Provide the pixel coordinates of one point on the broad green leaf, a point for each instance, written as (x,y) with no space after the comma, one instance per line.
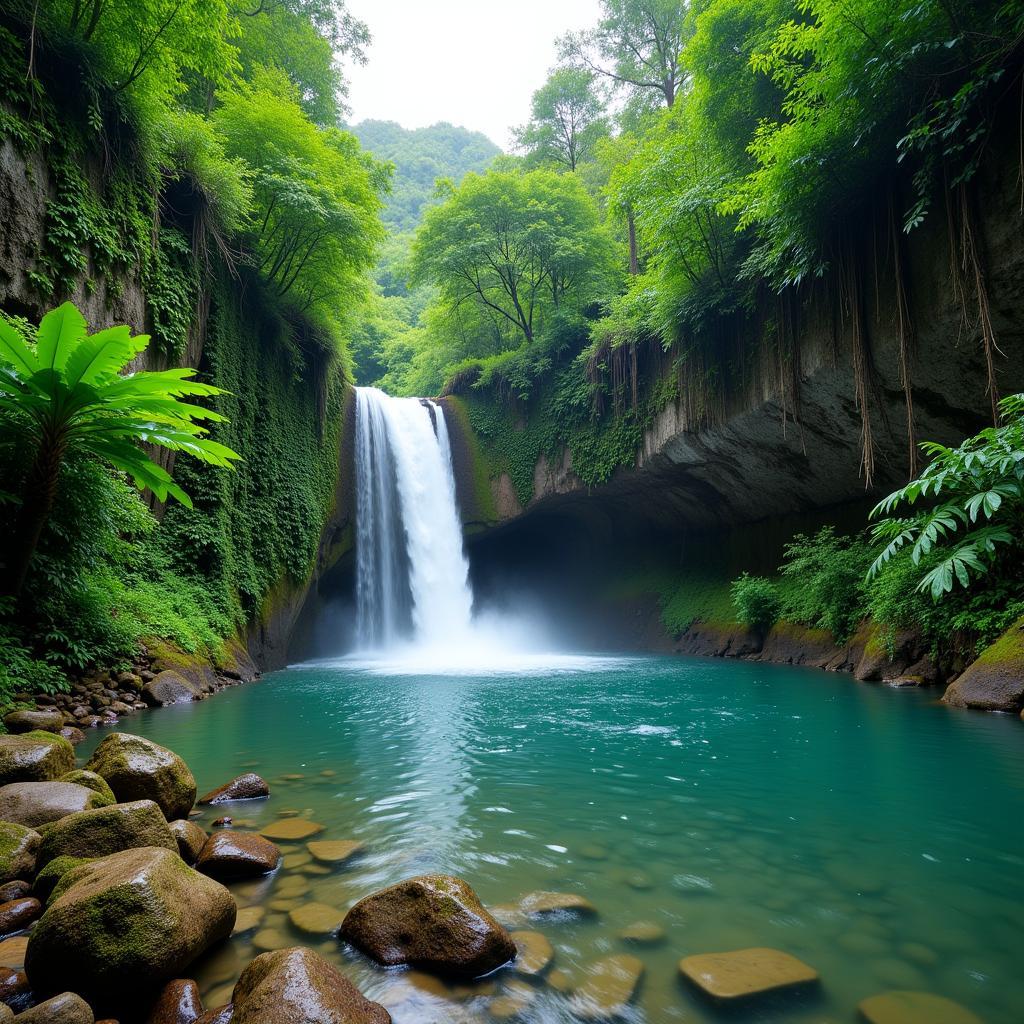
(61,332)
(15,352)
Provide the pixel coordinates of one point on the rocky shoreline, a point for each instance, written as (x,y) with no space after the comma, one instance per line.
(112,894)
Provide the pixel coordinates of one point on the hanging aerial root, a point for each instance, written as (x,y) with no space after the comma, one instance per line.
(906,337)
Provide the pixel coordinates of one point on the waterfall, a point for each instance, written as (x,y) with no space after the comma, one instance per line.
(412,574)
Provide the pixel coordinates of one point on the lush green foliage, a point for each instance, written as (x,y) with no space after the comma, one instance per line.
(567,119)
(975,507)
(757,601)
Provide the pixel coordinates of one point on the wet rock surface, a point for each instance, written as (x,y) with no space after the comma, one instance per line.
(246,787)
(107,830)
(34,757)
(19,851)
(16,915)
(66,1008)
(232,855)
(177,1003)
(138,769)
(434,922)
(37,803)
(27,721)
(298,986)
(190,837)
(914,1008)
(118,928)
(608,988)
(746,973)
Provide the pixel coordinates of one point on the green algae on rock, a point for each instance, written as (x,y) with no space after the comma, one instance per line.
(34,757)
(434,922)
(107,830)
(19,850)
(166,916)
(82,777)
(139,769)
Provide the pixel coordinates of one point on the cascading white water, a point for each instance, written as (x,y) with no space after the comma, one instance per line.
(411,567)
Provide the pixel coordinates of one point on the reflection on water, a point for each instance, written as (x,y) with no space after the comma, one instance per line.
(872,833)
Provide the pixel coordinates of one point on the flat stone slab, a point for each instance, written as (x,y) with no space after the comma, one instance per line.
(334,851)
(317,919)
(746,972)
(540,904)
(609,987)
(12,952)
(642,933)
(248,918)
(533,953)
(914,1008)
(291,829)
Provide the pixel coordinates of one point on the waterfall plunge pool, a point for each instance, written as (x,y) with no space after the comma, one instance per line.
(870,832)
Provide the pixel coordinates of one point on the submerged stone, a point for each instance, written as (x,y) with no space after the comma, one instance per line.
(746,973)
(334,851)
(317,919)
(914,1008)
(609,987)
(542,904)
(533,953)
(434,922)
(248,918)
(514,1001)
(290,829)
(643,933)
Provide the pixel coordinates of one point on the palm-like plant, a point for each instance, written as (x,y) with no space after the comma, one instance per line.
(69,393)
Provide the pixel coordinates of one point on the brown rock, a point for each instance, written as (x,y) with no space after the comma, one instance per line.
(609,988)
(139,769)
(17,915)
(177,1003)
(106,830)
(298,986)
(220,1015)
(434,922)
(334,851)
(15,991)
(67,1008)
(246,787)
(291,829)
(27,721)
(37,803)
(19,851)
(316,919)
(231,855)
(14,890)
(545,904)
(34,757)
(746,972)
(191,839)
(168,916)
(995,681)
(914,1008)
(533,953)
(12,952)
(170,688)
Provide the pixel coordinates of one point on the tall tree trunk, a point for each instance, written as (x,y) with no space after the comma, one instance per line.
(40,493)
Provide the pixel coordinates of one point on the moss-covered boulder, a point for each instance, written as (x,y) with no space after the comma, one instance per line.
(19,851)
(191,839)
(37,803)
(139,769)
(995,681)
(81,777)
(50,720)
(298,986)
(106,830)
(48,877)
(194,669)
(120,927)
(434,922)
(34,757)
(169,687)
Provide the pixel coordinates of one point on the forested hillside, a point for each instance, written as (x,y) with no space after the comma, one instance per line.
(179,167)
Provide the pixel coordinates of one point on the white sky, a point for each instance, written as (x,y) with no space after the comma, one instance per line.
(475,63)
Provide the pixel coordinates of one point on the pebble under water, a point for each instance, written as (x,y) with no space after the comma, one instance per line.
(870,832)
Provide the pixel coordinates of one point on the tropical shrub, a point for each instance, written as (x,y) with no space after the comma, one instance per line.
(757,601)
(67,394)
(974,514)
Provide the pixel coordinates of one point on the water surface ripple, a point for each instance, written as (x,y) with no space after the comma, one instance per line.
(870,832)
